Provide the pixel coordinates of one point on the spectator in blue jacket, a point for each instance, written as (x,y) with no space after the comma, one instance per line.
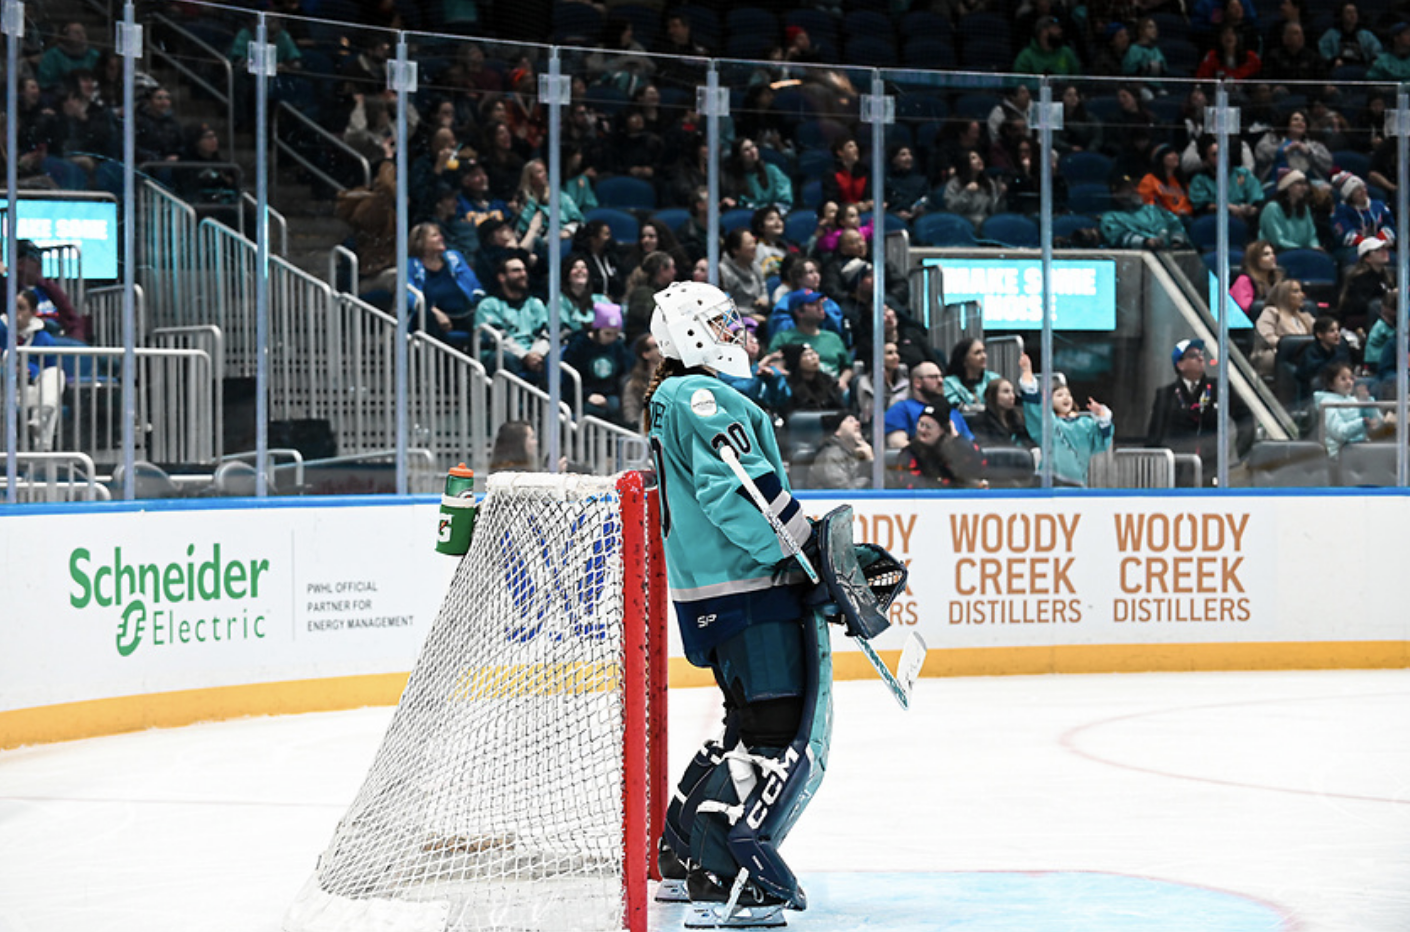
(445,278)
(41,378)
(1359,217)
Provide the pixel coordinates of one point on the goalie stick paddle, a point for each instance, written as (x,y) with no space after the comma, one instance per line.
(900,683)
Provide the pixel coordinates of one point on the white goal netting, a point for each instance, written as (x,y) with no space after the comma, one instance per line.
(496,799)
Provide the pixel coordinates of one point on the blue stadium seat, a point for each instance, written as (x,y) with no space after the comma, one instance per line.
(626,193)
(576,21)
(990,55)
(870,51)
(1182,57)
(874,23)
(1067,224)
(745,45)
(1172,27)
(811,193)
(944,229)
(1312,267)
(1090,199)
(671,217)
(625,227)
(799,225)
(926,52)
(893,222)
(1085,167)
(1236,259)
(814,163)
(1359,164)
(754,21)
(733,219)
(976,106)
(607,100)
(986,27)
(794,104)
(1013,230)
(1204,232)
(928,24)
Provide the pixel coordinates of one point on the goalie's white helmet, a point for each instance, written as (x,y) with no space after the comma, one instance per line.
(698,324)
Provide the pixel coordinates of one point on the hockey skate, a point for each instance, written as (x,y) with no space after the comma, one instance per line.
(741,904)
(673,874)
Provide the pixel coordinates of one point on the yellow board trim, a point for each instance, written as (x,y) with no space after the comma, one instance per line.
(1113,658)
(73,720)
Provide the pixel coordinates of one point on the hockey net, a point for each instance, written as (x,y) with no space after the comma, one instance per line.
(520,782)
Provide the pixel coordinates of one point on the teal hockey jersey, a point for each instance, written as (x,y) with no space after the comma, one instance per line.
(724,564)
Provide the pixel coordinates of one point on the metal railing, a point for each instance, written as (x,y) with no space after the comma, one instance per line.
(167,264)
(609,448)
(175,404)
(513,399)
(55,477)
(329,143)
(209,340)
(448,403)
(104,309)
(63,265)
(279,224)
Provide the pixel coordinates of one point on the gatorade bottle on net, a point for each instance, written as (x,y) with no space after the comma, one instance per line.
(457,517)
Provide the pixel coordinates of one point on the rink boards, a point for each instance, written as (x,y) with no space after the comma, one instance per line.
(129,616)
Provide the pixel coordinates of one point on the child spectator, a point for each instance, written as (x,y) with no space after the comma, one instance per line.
(1076,439)
(1340,425)
(602,361)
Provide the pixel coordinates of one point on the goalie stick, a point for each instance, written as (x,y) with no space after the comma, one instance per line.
(900,683)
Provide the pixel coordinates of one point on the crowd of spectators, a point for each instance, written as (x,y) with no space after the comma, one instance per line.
(1310,171)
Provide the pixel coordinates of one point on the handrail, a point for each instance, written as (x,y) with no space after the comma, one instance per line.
(279,220)
(147,168)
(347,254)
(296,461)
(330,139)
(228,98)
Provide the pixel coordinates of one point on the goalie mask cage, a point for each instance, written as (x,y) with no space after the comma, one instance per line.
(521,782)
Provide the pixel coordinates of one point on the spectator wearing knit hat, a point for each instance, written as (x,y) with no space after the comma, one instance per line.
(844,459)
(1287,222)
(1359,216)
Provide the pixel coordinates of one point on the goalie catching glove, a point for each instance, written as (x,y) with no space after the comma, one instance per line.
(859,581)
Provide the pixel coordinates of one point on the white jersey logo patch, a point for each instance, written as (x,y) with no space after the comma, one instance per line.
(703,403)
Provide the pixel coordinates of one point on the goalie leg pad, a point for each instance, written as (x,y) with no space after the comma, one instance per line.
(788,780)
(777,680)
(859,581)
(676,836)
